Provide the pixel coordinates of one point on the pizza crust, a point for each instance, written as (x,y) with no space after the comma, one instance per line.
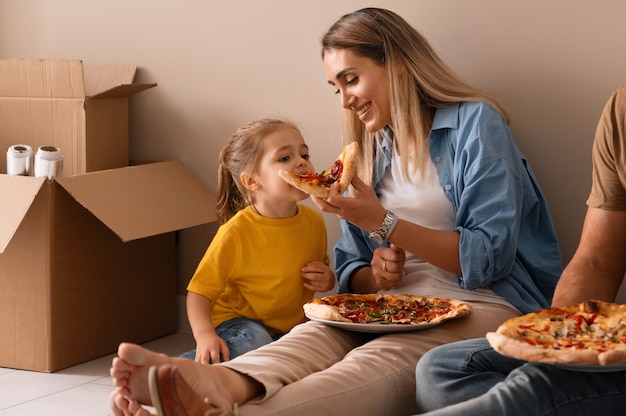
(320,311)
(611,357)
(348,157)
(523,351)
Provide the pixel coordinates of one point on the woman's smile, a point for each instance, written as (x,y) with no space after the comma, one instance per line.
(360,112)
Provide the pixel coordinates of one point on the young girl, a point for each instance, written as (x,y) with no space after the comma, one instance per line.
(269,255)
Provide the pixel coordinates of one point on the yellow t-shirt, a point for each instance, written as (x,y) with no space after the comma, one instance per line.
(252,267)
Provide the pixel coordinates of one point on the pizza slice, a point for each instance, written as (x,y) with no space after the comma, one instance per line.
(318,184)
(592,332)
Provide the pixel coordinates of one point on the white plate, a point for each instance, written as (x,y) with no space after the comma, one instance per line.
(375,327)
(591,368)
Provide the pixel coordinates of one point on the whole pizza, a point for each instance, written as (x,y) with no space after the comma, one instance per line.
(385,309)
(592,332)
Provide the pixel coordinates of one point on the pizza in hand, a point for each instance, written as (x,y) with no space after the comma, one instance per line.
(385,309)
(318,184)
(592,332)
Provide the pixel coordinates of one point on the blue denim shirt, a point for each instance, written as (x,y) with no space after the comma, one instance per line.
(507,239)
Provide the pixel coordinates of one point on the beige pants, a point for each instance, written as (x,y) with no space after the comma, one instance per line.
(321,370)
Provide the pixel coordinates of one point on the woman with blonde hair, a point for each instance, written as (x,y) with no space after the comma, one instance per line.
(444,205)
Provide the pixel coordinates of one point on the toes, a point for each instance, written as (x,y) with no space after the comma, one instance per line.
(123,406)
(119,404)
(120,365)
(113,404)
(136,409)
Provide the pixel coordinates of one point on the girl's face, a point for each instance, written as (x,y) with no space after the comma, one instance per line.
(283,149)
(362,84)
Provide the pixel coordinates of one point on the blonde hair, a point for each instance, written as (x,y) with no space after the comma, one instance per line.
(241,155)
(420,82)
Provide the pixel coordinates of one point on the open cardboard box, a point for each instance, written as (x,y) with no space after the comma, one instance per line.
(88,261)
(81,109)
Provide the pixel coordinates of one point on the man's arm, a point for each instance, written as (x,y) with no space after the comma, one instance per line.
(597,269)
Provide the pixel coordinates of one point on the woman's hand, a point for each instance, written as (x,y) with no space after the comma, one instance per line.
(388,267)
(363,210)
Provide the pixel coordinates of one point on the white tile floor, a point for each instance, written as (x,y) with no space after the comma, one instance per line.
(80,390)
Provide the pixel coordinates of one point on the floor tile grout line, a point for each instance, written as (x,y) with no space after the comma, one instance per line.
(45,395)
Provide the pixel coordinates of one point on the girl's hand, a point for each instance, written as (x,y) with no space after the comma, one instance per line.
(211,349)
(388,267)
(363,210)
(318,277)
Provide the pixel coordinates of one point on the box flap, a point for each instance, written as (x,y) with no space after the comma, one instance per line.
(17,194)
(100,78)
(42,78)
(123,91)
(146,200)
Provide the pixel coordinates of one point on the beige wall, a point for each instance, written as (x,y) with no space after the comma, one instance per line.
(222,63)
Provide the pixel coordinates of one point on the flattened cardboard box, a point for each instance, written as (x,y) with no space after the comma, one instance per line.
(81,109)
(88,261)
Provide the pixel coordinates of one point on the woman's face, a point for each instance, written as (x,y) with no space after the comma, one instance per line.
(362,84)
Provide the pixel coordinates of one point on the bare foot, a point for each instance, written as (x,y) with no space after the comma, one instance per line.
(224,387)
(129,371)
(123,406)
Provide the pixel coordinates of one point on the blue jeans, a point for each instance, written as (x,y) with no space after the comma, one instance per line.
(241,335)
(482,382)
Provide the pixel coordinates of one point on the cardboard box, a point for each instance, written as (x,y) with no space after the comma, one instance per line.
(88,261)
(81,109)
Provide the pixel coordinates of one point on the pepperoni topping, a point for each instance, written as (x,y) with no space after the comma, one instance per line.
(325,178)
(380,310)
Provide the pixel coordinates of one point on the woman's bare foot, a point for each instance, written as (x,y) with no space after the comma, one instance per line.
(122,406)
(129,371)
(224,387)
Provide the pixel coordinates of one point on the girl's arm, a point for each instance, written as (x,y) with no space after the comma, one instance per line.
(209,346)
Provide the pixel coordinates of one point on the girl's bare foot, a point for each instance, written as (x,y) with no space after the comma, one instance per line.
(224,387)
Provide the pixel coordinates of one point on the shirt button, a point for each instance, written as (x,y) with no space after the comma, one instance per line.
(448,187)
(437,159)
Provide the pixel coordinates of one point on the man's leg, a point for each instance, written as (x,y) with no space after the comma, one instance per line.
(541,389)
(459,371)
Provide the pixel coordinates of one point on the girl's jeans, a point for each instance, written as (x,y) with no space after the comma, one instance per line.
(241,335)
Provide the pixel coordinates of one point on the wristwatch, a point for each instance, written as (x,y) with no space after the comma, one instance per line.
(386,227)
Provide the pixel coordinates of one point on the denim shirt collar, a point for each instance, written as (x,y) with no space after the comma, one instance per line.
(445,118)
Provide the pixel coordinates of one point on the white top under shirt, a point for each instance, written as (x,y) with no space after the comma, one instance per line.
(423,202)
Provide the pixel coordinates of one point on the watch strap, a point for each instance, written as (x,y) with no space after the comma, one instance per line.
(386,227)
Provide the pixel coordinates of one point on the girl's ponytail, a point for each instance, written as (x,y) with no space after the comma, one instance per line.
(229,198)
